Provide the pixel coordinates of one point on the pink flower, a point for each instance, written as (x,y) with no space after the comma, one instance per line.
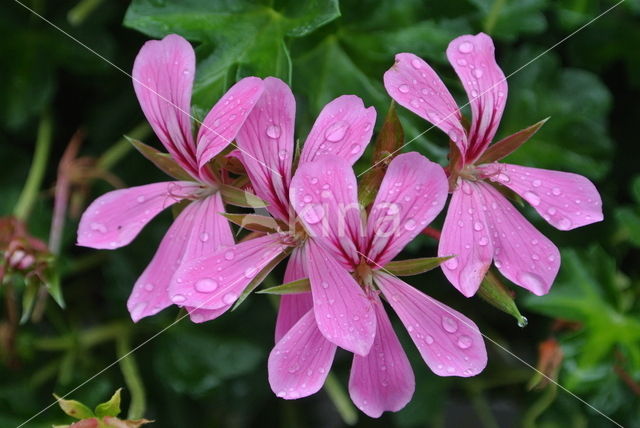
(481,225)
(163,78)
(344,127)
(345,263)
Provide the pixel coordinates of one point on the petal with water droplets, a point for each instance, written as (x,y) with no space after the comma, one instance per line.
(162,79)
(474,60)
(343,311)
(521,253)
(115,218)
(343,128)
(415,86)
(217,280)
(266,141)
(465,235)
(411,195)
(223,122)
(196,231)
(300,361)
(449,342)
(324,195)
(294,306)
(563,199)
(383,380)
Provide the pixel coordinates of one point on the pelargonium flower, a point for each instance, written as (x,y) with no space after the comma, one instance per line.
(266,143)
(345,263)
(163,76)
(481,225)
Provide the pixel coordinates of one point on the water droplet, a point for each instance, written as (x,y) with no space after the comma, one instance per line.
(403,88)
(393,209)
(483,241)
(229,255)
(523,322)
(429,339)
(451,264)
(410,224)
(355,149)
(178,298)
(325,285)
(148,286)
(464,342)
(282,154)
(307,198)
(477,226)
(414,103)
(551,211)
(503,177)
(98,227)
(140,199)
(477,73)
(451,369)
(313,213)
(556,191)
(536,183)
(416,63)
(462,62)
(449,324)
(532,282)
(250,272)
(229,298)
(465,47)
(564,224)
(474,93)
(206,285)
(336,132)
(314,180)
(532,198)
(204,236)
(273,131)
(326,194)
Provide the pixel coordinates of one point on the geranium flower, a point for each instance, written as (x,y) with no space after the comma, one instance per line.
(481,224)
(345,264)
(163,78)
(266,144)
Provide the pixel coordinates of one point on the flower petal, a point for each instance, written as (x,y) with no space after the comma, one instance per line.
(415,86)
(162,79)
(266,141)
(474,60)
(324,194)
(342,309)
(115,218)
(466,236)
(217,280)
(411,195)
(563,199)
(225,119)
(449,342)
(521,253)
(343,128)
(196,231)
(293,307)
(300,361)
(383,380)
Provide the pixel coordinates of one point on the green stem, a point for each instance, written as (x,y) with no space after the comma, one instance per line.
(85,339)
(539,407)
(492,16)
(340,399)
(132,377)
(123,146)
(38,167)
(81,11)
(481,406)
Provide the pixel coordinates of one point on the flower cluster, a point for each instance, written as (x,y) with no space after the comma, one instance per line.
(340,253)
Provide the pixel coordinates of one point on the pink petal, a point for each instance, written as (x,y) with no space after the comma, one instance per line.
(293,307)
(342,309)
(563,199)
(217,280)
(196,231)
(343,128)
(300,361)
(115,218)
(162,79)
(324,194)
(415,86)
(449,342)
(474,60)
(521,253)
(225,119)
(383,380)
(411,195)
(266,141)
(466,236)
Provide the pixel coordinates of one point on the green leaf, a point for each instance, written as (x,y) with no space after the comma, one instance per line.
(51,278)
(508,145)
(386,147)
(163,161)
(253,222)
(414,266)
(257,280)
(635,189)
(238,197)
(507,19)
(628,221)
(74,408)
(293,287)
(111,407)
(28,298)
(498,295)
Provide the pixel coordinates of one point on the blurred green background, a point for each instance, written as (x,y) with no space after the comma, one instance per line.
(214,375)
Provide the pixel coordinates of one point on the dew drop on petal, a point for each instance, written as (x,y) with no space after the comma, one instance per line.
(98,227)
(464,342)
(229,255)
(532,198)
(465,47)
(477,73)
(336,132)
(410,224)
(564,224)
(313,213)
(273,131)
(204,236)
(250,272)
(451,264)
(416,63)
(229,298)
(206,285)
(403,88)
(449,324)
(178,298)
